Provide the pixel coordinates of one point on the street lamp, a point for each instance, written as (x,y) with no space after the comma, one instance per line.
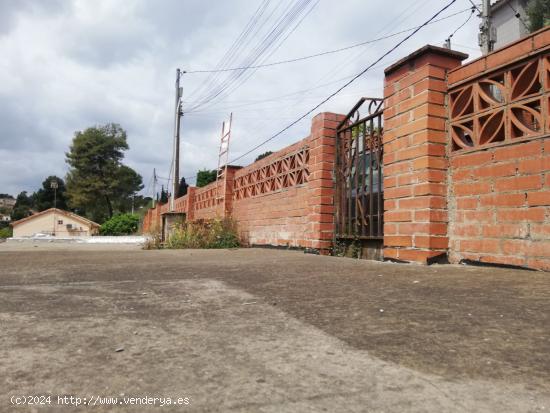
(54,185)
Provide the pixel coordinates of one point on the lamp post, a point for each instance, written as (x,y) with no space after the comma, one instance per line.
(54,185)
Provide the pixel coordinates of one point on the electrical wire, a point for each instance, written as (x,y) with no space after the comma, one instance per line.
(518,16)
(232,88)
(327,52)
(358,75)
(345,85)
(291,13)
(462,25)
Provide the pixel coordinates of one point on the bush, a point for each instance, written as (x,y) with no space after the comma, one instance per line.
(217,233)
(6,232)
(123,224)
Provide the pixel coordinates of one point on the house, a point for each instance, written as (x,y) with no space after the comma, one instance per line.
(510,20)
(5,218)
(55,222)
(7,202)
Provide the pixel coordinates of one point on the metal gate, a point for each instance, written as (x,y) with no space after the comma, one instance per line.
(359,180)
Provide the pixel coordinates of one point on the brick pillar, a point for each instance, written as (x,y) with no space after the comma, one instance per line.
(189,213)
(415,161)
(321,181)
(228,199)
(157,220)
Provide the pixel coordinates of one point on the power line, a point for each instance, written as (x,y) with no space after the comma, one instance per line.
(346,84)
(448,40)
(232,88)
(474,5)
(518,16)
(292,12)
(328,52)
(241,41)
(343,86)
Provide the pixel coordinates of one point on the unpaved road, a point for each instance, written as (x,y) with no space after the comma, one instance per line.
(256,330)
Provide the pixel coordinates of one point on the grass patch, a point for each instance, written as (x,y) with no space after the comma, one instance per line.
(216,233)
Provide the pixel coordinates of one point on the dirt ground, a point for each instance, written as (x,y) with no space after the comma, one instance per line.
(257,330)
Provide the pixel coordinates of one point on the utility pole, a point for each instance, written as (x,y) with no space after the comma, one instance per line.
(177,117)
(154,186)
(54,185)
(487,33)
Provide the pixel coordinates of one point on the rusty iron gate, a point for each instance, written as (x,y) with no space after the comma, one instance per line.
(359,180)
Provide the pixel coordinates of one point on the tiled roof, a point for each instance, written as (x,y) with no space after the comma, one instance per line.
(57,211)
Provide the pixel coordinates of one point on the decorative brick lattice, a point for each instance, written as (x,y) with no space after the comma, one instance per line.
(206,197)
(289,171)
(503,106)
(180,204)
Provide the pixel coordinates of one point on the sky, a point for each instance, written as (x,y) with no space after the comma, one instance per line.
(68,65)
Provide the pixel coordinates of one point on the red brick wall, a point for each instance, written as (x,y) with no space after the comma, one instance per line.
(276,217)
(499,192)
(415,163)
(297,211)
(499,205)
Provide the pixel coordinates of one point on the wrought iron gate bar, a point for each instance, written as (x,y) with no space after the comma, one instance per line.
(359,188)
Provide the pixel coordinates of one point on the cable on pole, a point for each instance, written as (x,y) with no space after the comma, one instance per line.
(448,40)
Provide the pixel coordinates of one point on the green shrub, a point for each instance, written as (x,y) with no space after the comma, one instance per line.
(123,224)
(6,232)
(217,233)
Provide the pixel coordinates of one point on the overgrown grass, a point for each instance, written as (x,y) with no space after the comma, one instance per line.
(153,241)
(217,233)
(6,232)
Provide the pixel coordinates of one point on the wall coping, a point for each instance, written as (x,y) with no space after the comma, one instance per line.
(425,50)
(483,59)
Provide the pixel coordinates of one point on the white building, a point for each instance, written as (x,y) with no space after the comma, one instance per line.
(509,18)
(56,222)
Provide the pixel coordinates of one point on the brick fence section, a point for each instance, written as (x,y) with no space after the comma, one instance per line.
(466,165)
(499,176)
(415,164)
(285,199)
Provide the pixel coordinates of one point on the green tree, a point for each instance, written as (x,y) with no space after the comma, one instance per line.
(205,176)
(182,188)
(22,207)
(263,155)
(123,224)
(44,198)
(539,14)
(98,184)
(163,196)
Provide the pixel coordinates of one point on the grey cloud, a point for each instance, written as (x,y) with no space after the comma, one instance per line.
(68,65)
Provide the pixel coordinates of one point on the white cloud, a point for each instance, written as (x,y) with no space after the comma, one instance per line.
(68,65)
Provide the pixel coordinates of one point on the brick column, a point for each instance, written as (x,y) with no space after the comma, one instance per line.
(189,213)
(228,199)
(415,162)
(321,186)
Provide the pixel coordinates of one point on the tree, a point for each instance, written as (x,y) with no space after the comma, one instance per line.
(123,224)
(163,196)
(182,188)
(539,14)
(97,182)
(44,198)
(263,155)
(22,207)
(205,176)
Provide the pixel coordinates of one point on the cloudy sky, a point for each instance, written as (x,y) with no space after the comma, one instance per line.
(70,64)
